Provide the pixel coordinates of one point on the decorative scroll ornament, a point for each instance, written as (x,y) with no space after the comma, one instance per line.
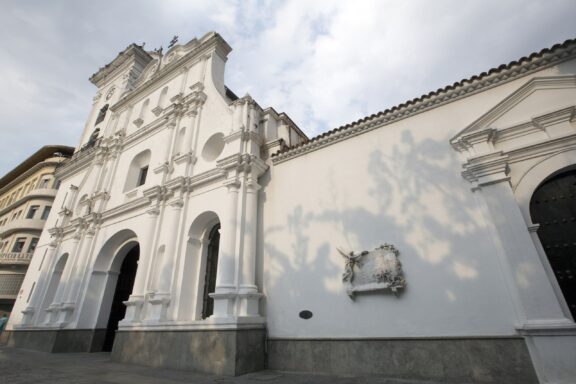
(373,270)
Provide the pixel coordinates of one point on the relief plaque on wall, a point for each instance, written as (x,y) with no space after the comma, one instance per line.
(372,270)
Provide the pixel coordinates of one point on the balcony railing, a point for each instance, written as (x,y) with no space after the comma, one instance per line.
(22,225)
(10,285)
(15,258)
(38,192)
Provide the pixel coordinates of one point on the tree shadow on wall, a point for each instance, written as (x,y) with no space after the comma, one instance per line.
(423,206)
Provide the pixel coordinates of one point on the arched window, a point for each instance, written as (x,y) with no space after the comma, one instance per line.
(143,108)
(83,208)
(138,171)
(162,98)
(211,266)
(101,115)
(553,207)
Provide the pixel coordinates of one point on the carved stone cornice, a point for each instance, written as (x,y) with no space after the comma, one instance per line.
(244,134)
(176,202)
(537,83)
(145,132)
(165,167)
(138,122)
(184,157)
(133,55)
(482,141)
(176,186)
(246,99)
(487,169)
(157,192)
(211,42)
(203,178)
(79,161)
(254,165)
(56,232)
(229,162)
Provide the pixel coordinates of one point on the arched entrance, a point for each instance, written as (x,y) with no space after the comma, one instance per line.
(553,207)
(122,291)
(198,274)
(211,268)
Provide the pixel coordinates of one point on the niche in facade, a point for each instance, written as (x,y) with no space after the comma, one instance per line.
(213,147)
(101,115)
(138,171)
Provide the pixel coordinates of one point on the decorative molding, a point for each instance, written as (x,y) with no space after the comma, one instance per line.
(537,83)
(138,122)
(373,270)
(211,42)
(487,169)
(184,157)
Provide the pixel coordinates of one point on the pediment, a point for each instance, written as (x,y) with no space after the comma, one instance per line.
(538,97)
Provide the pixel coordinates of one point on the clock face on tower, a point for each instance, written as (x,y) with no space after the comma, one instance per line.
(110,93)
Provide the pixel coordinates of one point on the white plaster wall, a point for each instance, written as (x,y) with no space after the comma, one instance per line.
(399,184)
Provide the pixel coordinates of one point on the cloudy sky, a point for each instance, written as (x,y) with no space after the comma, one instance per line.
(325,63)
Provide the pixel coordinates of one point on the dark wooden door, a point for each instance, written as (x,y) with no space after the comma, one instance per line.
(123,290)
(553,206)
(211,267)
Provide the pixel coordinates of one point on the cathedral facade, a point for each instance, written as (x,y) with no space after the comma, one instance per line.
(195,229)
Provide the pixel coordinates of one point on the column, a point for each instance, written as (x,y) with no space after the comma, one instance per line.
(225,294)
(160,300)
(190,131)
(136,300)
(82,258)
(527,277)
(249,295)
(59,312)
(30,313)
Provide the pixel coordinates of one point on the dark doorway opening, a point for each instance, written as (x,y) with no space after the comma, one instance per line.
(553,206)
(211,266)
(123,290)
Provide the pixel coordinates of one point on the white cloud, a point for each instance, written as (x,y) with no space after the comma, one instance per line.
(325,63)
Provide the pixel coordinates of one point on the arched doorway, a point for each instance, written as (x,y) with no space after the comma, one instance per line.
(553,207)
(122,291)
(211,268)
(198,273)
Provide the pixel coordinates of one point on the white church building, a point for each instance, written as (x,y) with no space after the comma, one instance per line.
(435,240)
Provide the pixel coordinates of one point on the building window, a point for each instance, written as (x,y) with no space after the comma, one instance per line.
(138,171)
(101,115)
(32,211)
(142,175)
(19,245)
(44,183)
(33,244)
(46,212)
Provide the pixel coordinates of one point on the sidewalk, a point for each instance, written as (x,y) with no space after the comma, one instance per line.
(18,366)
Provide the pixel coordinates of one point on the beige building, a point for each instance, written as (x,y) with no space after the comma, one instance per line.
(26,196)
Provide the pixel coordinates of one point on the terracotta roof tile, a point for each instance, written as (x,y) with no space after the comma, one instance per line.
(439,91)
